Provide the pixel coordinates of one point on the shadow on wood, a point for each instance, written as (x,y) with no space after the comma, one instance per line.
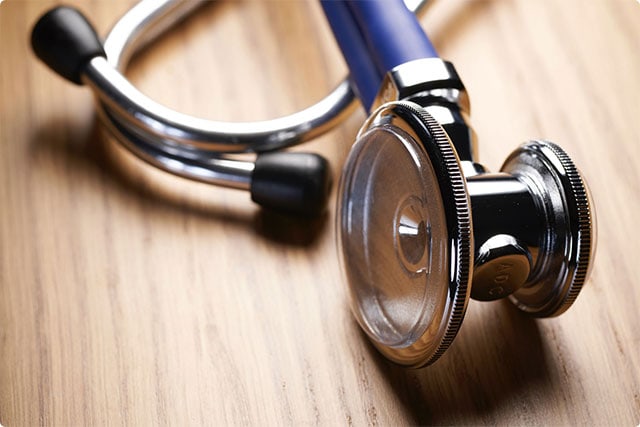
(496,361)
(95,155)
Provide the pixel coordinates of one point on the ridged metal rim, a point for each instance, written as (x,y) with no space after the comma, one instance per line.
(464,228)
(584,223)
(582,232)
(446,164)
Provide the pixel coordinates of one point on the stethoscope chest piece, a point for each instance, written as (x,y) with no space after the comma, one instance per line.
(404,231)
(567,248)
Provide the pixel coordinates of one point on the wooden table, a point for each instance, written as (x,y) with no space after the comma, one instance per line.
(128,296)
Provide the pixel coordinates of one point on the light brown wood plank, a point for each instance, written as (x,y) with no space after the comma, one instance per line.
(131,297)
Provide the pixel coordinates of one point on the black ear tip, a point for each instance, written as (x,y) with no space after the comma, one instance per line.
(65,40)
(297,183)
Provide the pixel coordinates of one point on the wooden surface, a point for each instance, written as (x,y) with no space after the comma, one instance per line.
(128,296)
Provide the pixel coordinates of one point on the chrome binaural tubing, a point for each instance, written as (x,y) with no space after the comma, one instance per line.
(185,145)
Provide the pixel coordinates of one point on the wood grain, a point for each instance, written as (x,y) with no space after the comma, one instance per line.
(131,297)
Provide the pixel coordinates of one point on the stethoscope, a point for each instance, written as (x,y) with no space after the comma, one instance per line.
(418,221)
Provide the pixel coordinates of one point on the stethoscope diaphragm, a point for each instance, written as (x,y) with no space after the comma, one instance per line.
(404,231)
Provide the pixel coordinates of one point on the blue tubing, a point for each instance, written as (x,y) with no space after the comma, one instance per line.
(363,69)
(392,33)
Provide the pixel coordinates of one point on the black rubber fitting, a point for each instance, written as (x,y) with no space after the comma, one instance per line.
(65,40)
(296,183)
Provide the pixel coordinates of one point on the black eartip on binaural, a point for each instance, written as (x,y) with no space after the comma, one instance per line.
(65,40)
(296,183)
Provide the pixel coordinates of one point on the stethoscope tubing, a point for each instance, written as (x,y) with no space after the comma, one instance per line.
(364,74)
(375,37)
(392,32)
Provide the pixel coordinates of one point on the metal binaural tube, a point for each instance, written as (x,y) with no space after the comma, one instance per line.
(149,19)
(132,106)
(142,24)
(178,143)
(212,170)
(165,138)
